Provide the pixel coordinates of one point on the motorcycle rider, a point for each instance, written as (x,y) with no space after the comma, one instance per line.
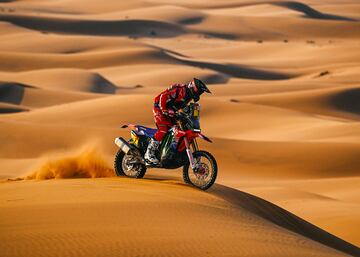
(166,104)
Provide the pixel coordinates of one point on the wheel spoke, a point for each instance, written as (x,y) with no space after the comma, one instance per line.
(130,169)
(203,173)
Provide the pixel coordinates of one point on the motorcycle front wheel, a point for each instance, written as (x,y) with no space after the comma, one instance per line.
(204,174)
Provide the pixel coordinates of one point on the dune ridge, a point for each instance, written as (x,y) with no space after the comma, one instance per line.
(337,102)
(11,108)
(145,28)
(237,71)
(283,218)
(311,12)
(11,92)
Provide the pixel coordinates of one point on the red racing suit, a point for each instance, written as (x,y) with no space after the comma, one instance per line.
(166,104)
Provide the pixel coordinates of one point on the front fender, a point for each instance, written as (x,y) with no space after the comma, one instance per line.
(205,137)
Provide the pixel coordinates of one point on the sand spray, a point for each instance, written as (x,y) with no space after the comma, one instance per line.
(87,161)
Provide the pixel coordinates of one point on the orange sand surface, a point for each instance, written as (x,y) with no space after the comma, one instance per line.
(284,117)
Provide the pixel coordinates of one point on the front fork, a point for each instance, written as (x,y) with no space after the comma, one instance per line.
(189,152)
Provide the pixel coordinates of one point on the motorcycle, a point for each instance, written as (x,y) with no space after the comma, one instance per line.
(178,148)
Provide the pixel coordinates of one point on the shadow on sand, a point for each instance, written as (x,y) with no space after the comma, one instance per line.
(282,218)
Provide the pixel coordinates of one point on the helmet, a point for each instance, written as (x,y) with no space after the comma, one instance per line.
(196,88)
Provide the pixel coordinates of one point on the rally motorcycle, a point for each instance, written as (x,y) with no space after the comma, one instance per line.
(178,148)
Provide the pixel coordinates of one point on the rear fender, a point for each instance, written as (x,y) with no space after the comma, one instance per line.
(131,126)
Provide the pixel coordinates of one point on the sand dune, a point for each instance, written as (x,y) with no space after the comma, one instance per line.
(284,118)
(310,12)
(9,108)
(63,79)
(144,28)
(338,102)
(30,61)
(12,92)
(282,218)
(236,71)
(235,230)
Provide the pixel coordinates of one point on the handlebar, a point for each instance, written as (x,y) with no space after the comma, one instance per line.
(180,115)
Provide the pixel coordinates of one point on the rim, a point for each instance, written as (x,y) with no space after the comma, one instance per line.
(130,168)
(201,176)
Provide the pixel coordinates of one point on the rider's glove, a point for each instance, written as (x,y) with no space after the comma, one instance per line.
(169,113)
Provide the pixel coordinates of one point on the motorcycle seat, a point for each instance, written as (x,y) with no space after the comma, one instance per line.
(142,130)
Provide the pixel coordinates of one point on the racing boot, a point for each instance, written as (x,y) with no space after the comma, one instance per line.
(150,155)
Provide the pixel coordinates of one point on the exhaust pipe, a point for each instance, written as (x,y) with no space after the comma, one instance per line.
(122,144)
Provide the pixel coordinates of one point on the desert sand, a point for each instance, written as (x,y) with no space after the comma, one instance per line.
(284,117)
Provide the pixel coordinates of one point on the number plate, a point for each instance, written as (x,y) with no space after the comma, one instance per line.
(196,113)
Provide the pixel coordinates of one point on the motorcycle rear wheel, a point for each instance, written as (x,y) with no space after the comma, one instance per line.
(196,178)
(122,167)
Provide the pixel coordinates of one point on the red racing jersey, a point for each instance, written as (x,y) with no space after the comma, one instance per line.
(173,98)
